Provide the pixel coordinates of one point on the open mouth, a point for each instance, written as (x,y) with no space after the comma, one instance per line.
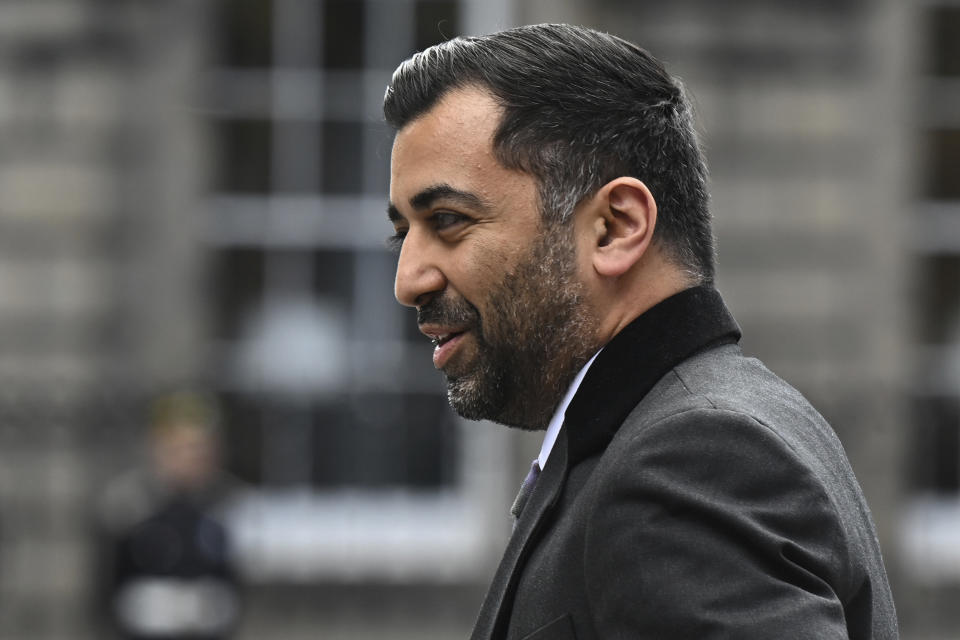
(442,339)
(444,346)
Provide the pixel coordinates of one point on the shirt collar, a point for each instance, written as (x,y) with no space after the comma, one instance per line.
(553,429)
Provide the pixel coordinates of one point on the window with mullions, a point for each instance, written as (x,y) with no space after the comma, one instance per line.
(325,382)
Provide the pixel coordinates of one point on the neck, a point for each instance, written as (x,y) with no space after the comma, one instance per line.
(634,293)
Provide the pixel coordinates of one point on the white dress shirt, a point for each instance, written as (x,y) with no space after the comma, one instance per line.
(553,429)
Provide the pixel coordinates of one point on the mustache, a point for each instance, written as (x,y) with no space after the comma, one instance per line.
(446,310)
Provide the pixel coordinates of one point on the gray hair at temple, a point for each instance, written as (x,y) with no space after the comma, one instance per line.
(580,108)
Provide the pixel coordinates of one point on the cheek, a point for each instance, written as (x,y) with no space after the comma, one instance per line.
(502,254)
(483,283)
(484,266)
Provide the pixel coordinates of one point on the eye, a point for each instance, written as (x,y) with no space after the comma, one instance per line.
(445,219)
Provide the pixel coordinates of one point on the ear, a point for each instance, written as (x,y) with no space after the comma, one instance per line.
(626,215)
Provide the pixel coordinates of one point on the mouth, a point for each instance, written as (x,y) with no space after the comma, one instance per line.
(443,338)
(444,344)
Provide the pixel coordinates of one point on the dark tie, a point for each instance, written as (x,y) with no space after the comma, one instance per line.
(525,490)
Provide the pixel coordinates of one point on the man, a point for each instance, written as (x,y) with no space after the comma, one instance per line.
(166,569)
(549,200)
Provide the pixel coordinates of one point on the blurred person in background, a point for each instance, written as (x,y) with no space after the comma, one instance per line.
(549,201)
(167,571)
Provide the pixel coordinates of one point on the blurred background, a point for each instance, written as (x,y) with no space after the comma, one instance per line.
(192,199)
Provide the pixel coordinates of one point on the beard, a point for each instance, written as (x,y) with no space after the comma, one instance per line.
(536,335)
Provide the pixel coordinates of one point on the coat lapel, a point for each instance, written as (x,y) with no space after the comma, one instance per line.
(498,604)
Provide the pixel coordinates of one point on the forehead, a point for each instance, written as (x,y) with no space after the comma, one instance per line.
(469,111)
(450,143)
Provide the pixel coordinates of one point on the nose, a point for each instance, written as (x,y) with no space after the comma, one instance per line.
(419,277)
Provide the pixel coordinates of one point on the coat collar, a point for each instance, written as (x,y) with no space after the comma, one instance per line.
(637,357)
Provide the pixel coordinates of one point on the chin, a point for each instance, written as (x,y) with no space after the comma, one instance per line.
(471,403)
(465,400)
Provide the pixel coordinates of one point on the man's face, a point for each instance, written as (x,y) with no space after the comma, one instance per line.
(499,293)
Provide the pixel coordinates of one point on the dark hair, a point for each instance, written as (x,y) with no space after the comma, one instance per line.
(580,109)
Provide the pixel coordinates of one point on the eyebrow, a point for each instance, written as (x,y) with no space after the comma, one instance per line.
(427,197)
